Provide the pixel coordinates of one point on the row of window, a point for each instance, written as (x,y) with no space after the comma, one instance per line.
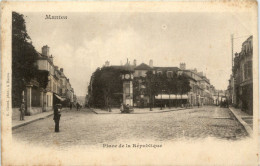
(142,73)
(247,46)
(247,70)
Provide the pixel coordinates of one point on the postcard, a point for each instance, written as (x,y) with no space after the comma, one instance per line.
(130,83)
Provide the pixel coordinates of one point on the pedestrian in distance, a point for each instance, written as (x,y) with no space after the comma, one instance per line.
(77,106)
(109,108)
(57,116)
(22,110)
(70,106)
(122,107)
(198,104)
(227,104)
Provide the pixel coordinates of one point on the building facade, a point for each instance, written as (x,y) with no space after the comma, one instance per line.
(201,91)
(40,100)
(242,88)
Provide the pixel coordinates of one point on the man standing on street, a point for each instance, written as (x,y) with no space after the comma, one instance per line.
(22,110)
(57,116)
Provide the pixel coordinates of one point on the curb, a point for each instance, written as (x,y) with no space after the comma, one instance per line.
(94,111)
(162,111)
(31,121)
(244,124)
(26,123)
(145,112)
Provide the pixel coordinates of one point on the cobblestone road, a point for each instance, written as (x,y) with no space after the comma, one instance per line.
(86,128)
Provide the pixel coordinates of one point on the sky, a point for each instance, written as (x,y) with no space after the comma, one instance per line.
(84,41)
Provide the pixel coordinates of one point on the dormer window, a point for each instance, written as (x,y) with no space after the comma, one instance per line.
(169,74)
(159,72)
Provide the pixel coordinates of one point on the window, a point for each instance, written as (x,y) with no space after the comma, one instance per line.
(169,74)
(139,73)
(54,87)
(144,73)
(47,65)
(48,101)
(51,85)
(248,70)
(159,72)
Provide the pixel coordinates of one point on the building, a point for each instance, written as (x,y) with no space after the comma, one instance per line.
(201,90)
(242,86)
(39,99)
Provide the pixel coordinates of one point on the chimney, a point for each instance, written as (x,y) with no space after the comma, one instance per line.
(51,58)
(106,63)
(182,66)
(134,62)
(151,63)
(45,50)
(61,69)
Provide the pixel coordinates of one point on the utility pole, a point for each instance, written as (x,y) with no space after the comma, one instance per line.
(233,79)
(232,48)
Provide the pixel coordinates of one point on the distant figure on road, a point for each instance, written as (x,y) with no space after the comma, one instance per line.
(198,104)
(109,108)
(70,106)
(22,110)
(122,107)
(227,104)
(57,116)
(78,106)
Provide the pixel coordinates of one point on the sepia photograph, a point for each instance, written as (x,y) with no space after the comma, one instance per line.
(132,82)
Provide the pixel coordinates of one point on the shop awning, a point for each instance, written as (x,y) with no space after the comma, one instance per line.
(60,98)
(172,97)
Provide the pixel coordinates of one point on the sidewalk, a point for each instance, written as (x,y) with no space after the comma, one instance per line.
(29,119)
(245,119)
(137,110)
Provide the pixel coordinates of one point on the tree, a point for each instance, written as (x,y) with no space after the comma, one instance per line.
(136,89)
(24,57)
(161,80)
(106,86)
(152,87)
(171,87)
(184,85)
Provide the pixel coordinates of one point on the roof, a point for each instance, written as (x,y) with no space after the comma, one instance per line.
(167,68)
(125,67)
(143,66)
(190,77)
(249,38)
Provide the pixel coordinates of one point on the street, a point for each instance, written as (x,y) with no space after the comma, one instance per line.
(87,128)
